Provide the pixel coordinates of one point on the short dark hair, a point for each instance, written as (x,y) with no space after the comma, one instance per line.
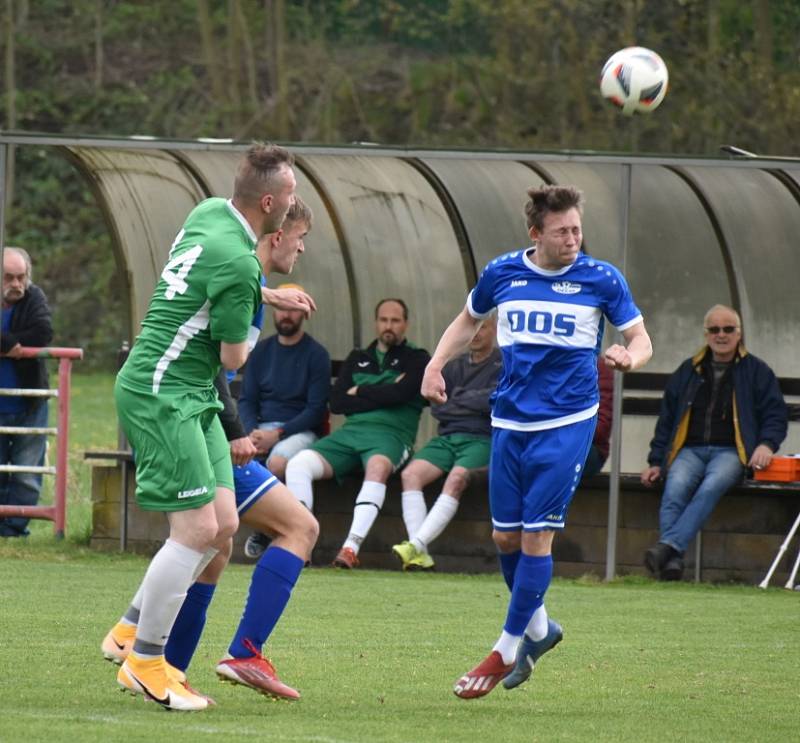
(256,173)
(299,212)
(392,299)
(547,199)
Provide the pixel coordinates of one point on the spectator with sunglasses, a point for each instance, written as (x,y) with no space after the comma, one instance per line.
(722,411)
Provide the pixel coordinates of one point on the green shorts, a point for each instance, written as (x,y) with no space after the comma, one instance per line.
(349,447)
(457,449)
(179,447)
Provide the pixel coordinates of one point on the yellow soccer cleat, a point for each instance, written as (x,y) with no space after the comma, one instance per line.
(152,679)
(412,558)
(118,642)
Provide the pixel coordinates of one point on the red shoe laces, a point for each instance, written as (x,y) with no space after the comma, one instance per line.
(257,655)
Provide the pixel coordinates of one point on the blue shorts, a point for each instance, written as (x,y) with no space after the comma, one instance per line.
(533,475)
(250,482)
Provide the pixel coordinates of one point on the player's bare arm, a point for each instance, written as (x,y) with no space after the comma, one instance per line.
(288,299)
(233,355)
(634,354)
(454,340)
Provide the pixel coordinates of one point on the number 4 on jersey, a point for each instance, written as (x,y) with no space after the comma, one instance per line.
(177,269)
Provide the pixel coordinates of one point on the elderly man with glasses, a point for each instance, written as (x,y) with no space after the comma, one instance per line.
(722,411)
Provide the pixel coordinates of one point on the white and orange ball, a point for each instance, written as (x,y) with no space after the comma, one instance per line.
(635,79)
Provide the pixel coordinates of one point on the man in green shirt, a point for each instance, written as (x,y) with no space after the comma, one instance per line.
(377,389)
(198,321)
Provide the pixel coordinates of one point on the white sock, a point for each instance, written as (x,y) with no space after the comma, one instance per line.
(369,502)
(439,517)
(209,555)
(507,647)
(301,471)
(414,511)
(537,627)
(163,591)
(131,616)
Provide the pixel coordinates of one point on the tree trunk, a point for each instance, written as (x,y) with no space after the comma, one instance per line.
(215,72)
(280,82)
(713,84)
(9,65)
(98,45)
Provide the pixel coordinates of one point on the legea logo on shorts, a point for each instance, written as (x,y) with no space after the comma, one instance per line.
(566,287)
(192,493)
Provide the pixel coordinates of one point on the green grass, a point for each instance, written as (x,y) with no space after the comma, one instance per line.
(93,425)
(375,655)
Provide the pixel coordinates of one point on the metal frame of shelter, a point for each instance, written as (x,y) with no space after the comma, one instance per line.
(417,156)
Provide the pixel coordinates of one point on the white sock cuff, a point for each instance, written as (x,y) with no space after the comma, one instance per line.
(306,464)
(372,492)
(537,626)
(183,555)
(301,471)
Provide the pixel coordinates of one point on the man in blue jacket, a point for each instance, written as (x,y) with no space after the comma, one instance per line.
(722,410)
(26,321)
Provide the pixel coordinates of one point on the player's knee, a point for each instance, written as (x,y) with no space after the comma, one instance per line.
(308,529)
(378,468)
(411,479)
(507,541)
(457,482)
(277,466)
(305,465)
(227,524)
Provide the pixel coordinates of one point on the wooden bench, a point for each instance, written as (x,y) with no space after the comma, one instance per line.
(739,541)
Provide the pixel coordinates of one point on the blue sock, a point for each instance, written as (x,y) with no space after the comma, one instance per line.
(508,565)
(530,585)
(273,579)
(188,627)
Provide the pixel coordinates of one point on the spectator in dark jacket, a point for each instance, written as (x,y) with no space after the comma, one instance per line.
(722,410)
(25,322)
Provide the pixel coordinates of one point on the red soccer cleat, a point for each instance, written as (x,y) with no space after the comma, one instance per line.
(483,678)
(346,558)
(257,673)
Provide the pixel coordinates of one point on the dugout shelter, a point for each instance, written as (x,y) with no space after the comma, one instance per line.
(420,224)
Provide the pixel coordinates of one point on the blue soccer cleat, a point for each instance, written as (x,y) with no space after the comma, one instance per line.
(529,653)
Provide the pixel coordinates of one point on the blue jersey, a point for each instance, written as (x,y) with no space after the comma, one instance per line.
(549,329)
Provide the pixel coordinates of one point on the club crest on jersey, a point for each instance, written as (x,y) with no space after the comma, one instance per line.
(566,287)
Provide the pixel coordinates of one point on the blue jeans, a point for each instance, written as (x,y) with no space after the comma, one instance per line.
(698,478)
(21,488)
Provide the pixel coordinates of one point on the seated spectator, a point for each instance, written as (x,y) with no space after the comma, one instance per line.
(722,410)
(378,391)
(462,446)
(284,396)
(598,453)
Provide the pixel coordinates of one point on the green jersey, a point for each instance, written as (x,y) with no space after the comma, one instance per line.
(208,293)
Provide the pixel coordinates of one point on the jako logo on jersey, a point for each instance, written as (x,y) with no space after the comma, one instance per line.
(519,282)
(192,493)
(566,287)
(543,322)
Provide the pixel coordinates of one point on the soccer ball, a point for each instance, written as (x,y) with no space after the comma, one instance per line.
(635,79)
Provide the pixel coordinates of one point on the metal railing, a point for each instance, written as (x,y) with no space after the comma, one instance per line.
(58,511)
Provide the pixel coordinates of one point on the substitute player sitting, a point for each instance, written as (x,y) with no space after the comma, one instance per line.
(550,300)
(462,446)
